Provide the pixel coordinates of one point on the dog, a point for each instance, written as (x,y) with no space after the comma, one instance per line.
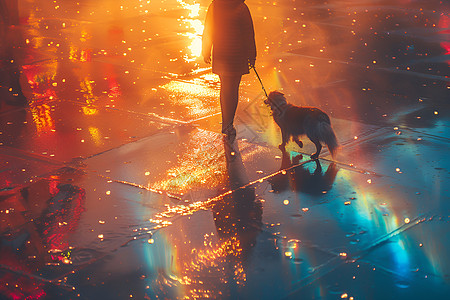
(295,121)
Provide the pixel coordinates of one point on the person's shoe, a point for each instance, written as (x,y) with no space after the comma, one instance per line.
(229,134)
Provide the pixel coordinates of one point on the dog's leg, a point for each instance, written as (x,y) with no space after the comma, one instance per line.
(285,139)
(318,167)
(318,149)
(299,143)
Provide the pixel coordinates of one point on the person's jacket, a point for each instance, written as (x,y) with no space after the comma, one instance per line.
(229,33)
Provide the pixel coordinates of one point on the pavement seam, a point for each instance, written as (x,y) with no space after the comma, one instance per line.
(26,155)
(359,65)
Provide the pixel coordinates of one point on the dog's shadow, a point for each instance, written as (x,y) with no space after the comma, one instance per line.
(301,179)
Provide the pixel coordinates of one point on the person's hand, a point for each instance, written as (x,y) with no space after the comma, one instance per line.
(207,59)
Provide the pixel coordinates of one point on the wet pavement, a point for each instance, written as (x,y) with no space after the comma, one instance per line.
(115,182)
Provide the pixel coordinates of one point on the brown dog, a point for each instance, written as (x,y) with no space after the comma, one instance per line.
(295,121)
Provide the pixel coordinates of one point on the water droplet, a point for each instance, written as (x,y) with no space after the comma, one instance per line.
(402,284)
(335,289)
(298,260)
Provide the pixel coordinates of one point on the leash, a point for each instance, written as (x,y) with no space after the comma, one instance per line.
(260,81)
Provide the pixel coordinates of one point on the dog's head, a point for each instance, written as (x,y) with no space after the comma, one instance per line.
(276,100)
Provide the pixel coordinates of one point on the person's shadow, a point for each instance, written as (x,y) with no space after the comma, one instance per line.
(300,179)
(238,217)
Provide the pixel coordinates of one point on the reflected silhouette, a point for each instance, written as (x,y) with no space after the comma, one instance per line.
(10,89)
(36,231)
(300,179)
(238,217)
(50,210)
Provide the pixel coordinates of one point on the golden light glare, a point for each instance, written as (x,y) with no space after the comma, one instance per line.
(192,96)
(196,27)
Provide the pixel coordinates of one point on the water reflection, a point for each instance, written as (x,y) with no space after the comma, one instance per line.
(36,225)
(444,24)
(41,76)
(10,37)
(205,255)
(196,29)
(301,179)
(238,217)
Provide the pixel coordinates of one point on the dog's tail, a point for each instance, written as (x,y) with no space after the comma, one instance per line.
(327,136)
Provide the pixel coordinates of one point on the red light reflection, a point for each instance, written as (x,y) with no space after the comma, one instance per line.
(444,23)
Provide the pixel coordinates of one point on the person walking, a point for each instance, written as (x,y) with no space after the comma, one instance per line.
(230,36)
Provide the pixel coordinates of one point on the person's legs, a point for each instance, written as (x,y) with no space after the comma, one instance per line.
(229,97)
